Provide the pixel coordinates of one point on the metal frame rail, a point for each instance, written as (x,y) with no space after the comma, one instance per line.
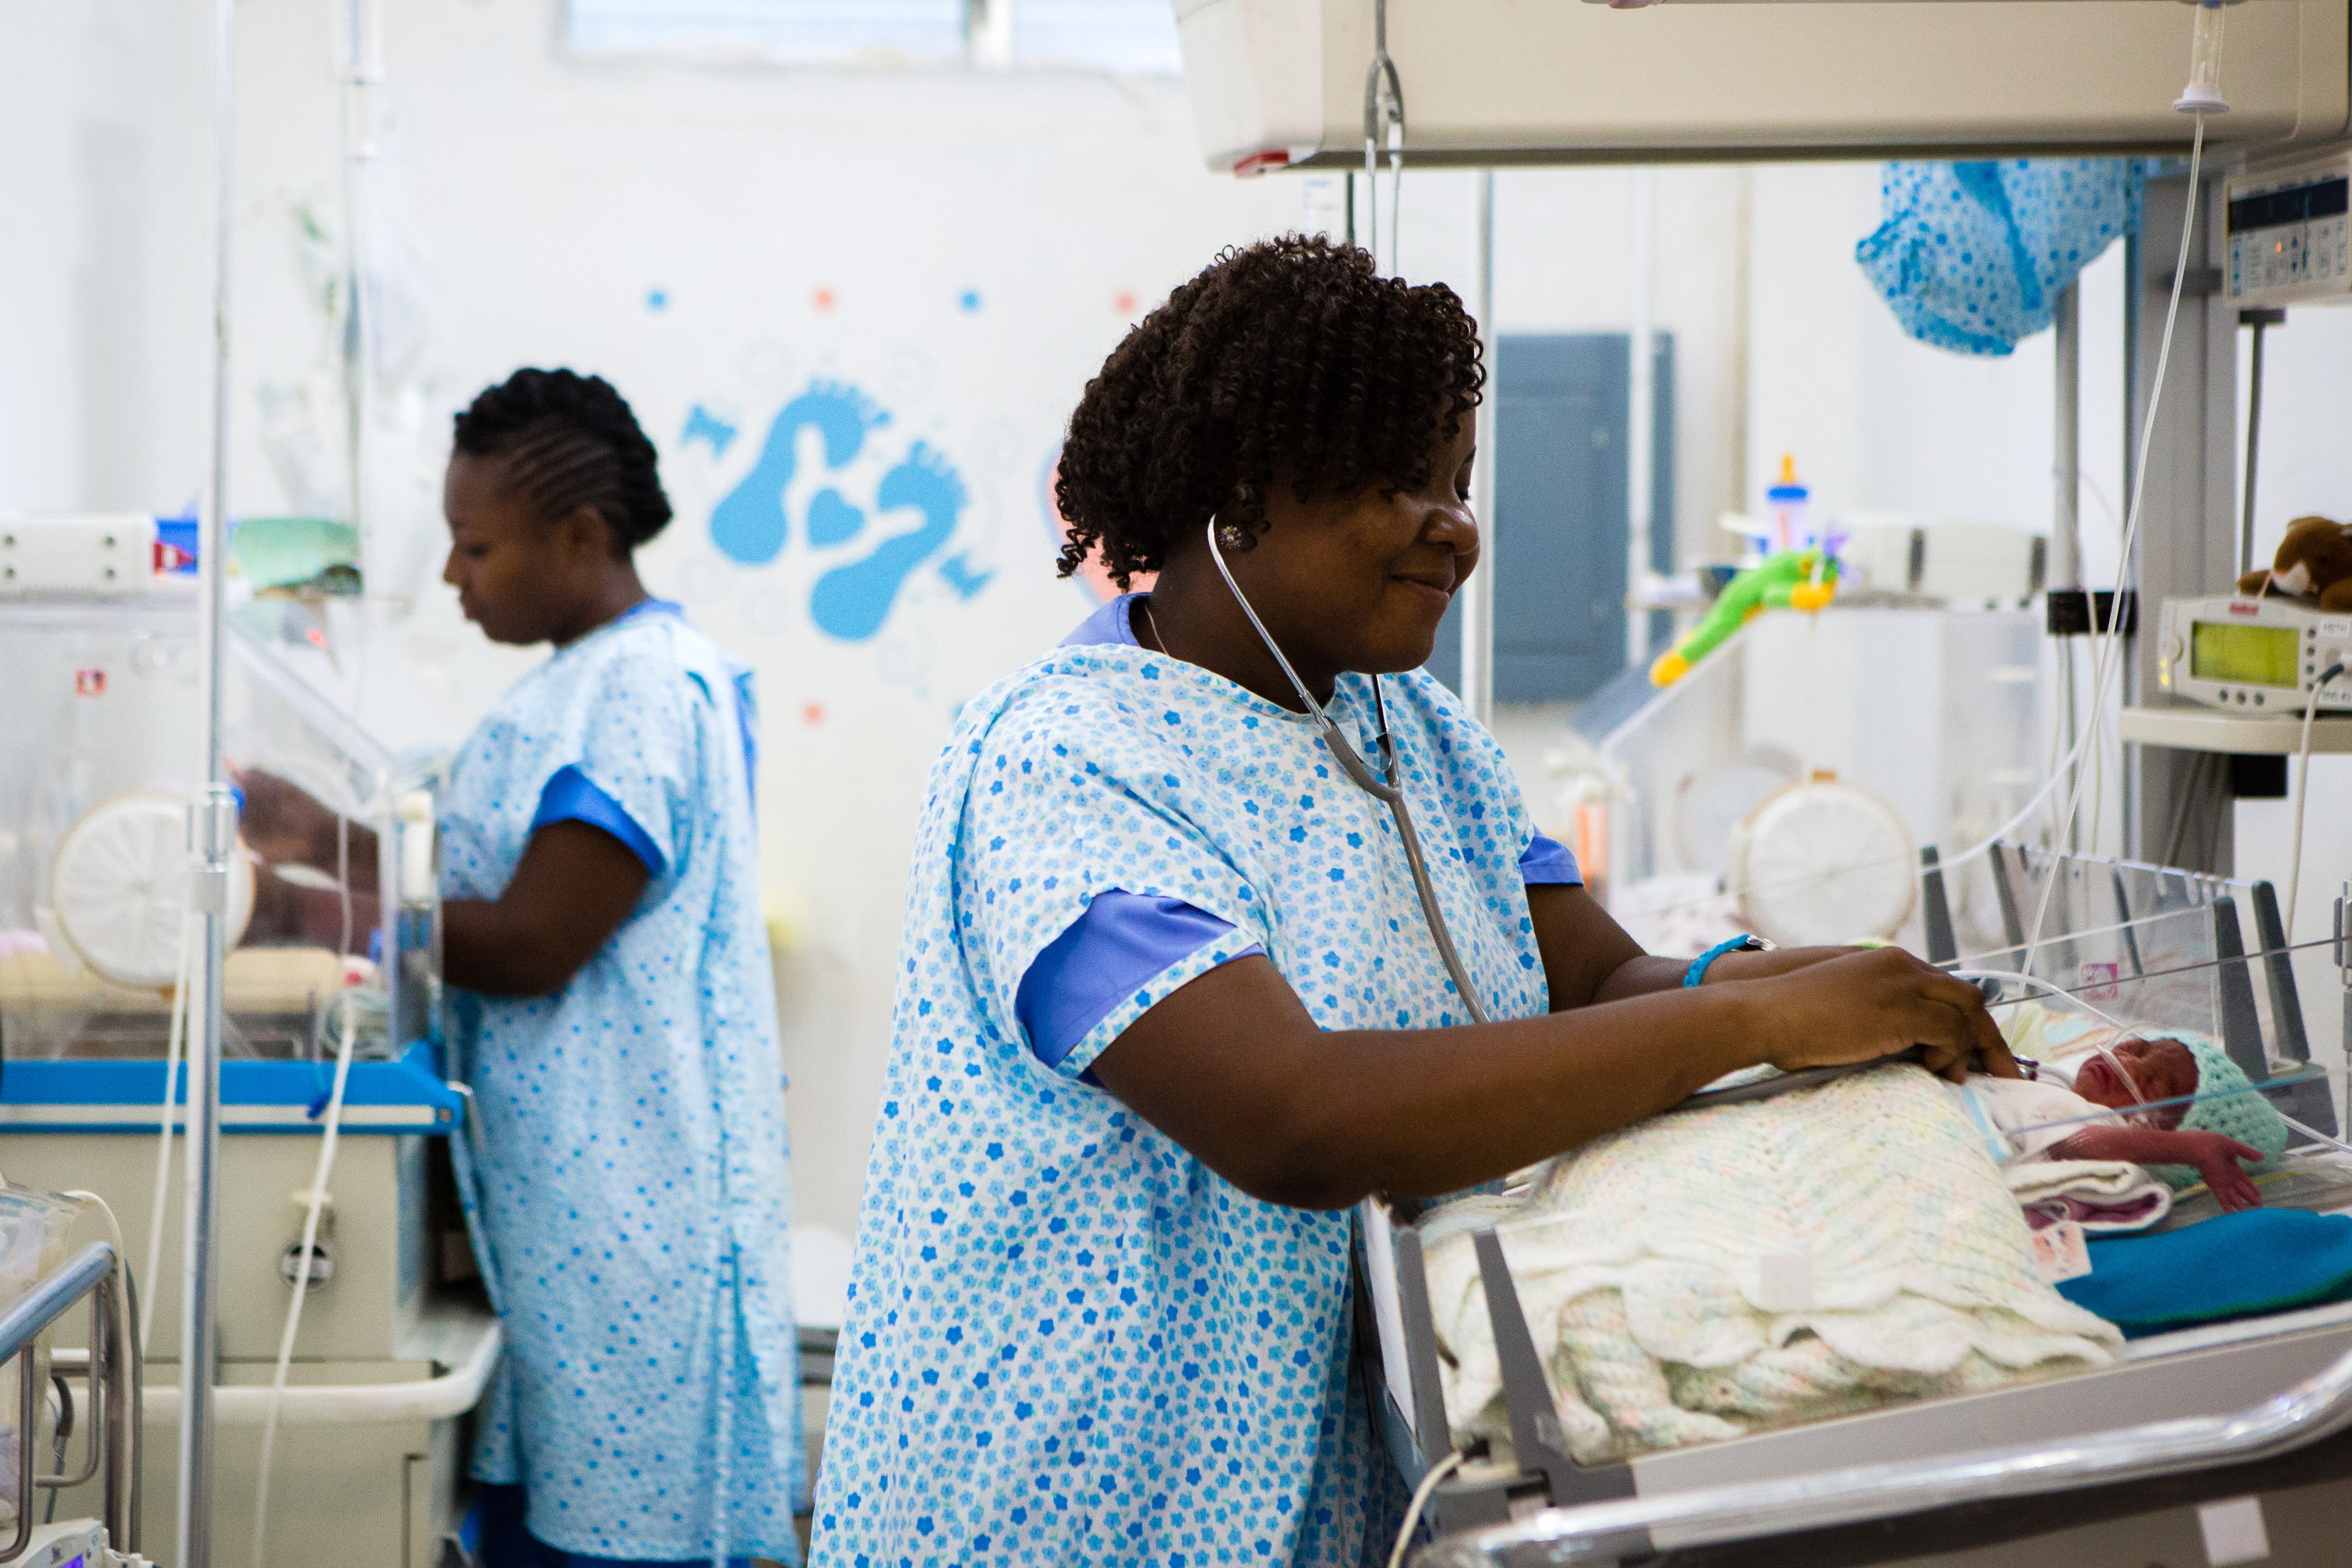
(112,1369)
(1607,1532)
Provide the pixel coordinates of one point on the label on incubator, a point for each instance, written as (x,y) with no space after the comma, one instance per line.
(2060,1252)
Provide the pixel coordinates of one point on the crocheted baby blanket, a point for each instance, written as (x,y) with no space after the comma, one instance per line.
(1712,1274)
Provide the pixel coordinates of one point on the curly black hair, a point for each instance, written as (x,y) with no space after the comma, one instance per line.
(571,441)
(1291,359)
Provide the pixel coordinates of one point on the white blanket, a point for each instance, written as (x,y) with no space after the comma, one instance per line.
(1704,1275)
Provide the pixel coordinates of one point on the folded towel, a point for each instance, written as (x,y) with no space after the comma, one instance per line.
(2242,1265)
(2104,1196)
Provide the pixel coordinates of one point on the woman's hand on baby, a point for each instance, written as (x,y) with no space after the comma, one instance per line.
(1875,1002)
(2216,1158)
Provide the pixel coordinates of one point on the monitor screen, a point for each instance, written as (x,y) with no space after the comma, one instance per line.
(2249,656)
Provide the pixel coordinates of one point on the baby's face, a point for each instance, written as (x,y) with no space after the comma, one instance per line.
(2160,1069)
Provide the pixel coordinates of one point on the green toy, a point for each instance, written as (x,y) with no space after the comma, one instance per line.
(1787,579)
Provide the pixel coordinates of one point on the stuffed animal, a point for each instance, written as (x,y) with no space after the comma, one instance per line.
(2315,562)
(1788,580)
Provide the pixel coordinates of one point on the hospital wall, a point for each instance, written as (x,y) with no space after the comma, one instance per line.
(895,284)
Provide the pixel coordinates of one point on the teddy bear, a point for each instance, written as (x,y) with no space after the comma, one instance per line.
(2313,561)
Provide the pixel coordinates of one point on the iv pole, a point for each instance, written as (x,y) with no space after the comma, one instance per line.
(212,840)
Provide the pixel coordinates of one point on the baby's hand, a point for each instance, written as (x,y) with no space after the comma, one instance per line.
(2216,1159)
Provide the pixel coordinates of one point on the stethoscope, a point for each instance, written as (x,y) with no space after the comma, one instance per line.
(1382,786)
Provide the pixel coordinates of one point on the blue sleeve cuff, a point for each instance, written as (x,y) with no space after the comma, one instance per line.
(571,797)
(1114,949)
(1548,861)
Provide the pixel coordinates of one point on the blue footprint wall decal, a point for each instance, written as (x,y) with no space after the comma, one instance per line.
(833,520)
(851,602)
(702,425)
(748,525)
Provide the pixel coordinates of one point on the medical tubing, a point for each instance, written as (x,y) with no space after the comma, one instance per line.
(2113,1061)
(1387,791)
(1421,1496)
(2302,793)
(177,1040)
(334,1123)
(2107,661)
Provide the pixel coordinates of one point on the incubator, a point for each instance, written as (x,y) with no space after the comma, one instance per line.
(1889,1294)
(335,916)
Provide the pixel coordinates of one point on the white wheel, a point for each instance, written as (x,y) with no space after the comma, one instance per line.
(1821,861)
(119,886)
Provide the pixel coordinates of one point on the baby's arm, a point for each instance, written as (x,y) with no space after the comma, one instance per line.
(2215,1156)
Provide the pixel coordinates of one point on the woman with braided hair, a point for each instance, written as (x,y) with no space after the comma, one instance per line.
(1168,1007)
(612,1007)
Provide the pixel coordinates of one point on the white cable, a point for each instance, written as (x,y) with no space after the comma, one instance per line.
(164,1145)
(301,1278)
(2106,661)
(1421,1494)
(2302,778)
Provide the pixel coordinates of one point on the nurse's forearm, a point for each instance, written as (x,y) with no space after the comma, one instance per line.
(1640,976)
(1234,1067)
(573,887)
(1588,957)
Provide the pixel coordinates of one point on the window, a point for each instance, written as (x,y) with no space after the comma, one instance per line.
(814,31)
(1127,38)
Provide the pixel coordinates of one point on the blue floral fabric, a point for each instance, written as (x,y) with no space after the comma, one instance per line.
(631,1175)
(1972,257)
(1069,1341)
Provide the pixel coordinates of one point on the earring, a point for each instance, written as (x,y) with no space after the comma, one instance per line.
(1231,536)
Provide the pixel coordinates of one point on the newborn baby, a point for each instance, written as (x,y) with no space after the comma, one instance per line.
(2043,1120)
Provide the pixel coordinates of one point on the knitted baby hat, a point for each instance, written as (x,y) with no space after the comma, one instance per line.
(2225,1104)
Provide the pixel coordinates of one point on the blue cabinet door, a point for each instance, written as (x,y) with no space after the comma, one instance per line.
(1557,540)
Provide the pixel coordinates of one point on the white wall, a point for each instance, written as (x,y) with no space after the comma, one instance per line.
(802,226)
(104,264)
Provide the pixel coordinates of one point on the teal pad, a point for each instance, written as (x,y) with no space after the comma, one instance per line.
(2242,1265)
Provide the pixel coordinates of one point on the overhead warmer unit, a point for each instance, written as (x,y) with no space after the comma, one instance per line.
(1281,83)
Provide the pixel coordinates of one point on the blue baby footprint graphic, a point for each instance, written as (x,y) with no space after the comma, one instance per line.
(852,601)
(748,525)
(833,520)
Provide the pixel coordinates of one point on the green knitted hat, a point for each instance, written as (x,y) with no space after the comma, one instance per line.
(2226,1104)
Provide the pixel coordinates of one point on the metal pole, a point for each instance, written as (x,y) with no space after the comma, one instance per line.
(1477,595)
(1640,437)
(2066,510)
(2066,444)
(2261,320)
(212,840)
(362,67)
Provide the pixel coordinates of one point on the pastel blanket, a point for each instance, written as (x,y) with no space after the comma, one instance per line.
(1704,1275)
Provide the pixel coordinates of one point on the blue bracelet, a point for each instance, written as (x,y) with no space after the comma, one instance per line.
(1697,971)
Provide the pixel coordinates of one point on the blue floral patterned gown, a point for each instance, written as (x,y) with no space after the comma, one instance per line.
(1069,1341)
(631,1164)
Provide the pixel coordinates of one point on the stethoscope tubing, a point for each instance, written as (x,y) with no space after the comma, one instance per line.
(1385,790)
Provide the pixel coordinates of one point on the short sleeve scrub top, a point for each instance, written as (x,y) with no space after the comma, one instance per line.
(1069,1339)
(631,1179)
